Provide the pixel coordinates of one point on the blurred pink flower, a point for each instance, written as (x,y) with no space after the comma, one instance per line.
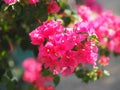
(103,60)
(53,7)
(33,1)
(33,73)
(32,70)
(10,2)
(84,12)
(94,5)
(30,76)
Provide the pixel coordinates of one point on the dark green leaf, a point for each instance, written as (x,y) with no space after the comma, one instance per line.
(46,72)
(85,79)
(9,74)
(2,71)
(18,8)
(5,79)
(11,85)
(56,79)
(66,20)
(79,73)
(4,44)
(42,12)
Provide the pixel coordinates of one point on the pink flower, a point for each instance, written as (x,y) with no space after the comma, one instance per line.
(51,27)
(66,71)
(30,76)
(36,37)
(106,26)
(103,60)
(33,73)
(10,2)
(32,69)
(61,50)
(33,1)
(94,5)
(87,54)
(43,32)
(53,7)
(84,28)
(68,63)
(42,80)
(31,64)
(84,12)
(94,23)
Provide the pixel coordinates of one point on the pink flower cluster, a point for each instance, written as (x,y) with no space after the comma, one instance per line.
(33,74)
(62,49)
(106,26)
(109,26)
(93,5)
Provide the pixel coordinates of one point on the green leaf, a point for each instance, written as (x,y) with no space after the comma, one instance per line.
(104,51)
(5,7)
(56,79)
(9,74)
(3,53)
(85,79)
(66,20)
(46,72)
(11,85)
(5,79)
(79,73)
(42,12)
(25,43)
(18,8)
(2,71)
(4,44)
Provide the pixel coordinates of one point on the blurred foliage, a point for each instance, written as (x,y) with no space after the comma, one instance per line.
(87,74)
(16,21)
